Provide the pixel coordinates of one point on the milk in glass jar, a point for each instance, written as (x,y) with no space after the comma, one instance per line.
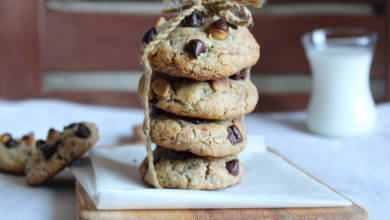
(341,103)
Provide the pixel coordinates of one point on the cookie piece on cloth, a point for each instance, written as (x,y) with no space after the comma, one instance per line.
(59,150)
(210,138)
(184,170)
(14,153)
(207,52)
(219,99)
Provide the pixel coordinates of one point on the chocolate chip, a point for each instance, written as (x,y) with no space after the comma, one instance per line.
(241,75)
(220,25)
(6,134)
(221,84)
(156,161)
(149,36)
(155,110)
(233,167)
(190,166)
(11,143)
(28,137)
(83,131)
(70,126)
(40,144)
(193,20)
(178,155)
(58,143)
(153,101)
(48,151)
(234,134)
(195,48)
(233,26)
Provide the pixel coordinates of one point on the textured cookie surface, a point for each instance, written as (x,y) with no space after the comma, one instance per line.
(14,153)
(202,137)
(183,170)
(59,150)
(220,58)
(217,99)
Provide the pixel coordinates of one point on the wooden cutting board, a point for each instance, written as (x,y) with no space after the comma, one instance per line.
(87,210)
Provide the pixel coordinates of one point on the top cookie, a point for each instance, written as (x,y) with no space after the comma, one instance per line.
(205,49)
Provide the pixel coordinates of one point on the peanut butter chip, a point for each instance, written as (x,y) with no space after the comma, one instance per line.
(52,133)
(5,137)
(161,21)
(237,122)
(220,85)
(161,86)
(219,29)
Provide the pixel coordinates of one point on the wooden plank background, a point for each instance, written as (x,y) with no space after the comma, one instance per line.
(21,65)
(96,41)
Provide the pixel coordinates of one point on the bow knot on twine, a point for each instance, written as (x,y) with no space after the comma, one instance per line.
(233,11)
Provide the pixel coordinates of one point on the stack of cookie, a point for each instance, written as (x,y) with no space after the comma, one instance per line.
(200,90)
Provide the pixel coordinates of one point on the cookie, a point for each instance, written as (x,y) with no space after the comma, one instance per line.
(184,170)
(217,99)
(59,150)
(14,153)
(204,49)
(210,138)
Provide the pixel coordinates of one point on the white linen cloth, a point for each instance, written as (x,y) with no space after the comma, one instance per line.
(113,182)
(356,167)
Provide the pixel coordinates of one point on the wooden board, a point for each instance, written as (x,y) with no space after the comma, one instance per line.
(87,210)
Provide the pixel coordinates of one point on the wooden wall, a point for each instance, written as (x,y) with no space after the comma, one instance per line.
(21,63)
(34,40)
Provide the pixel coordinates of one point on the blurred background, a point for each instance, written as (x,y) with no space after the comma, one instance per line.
(88,51)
